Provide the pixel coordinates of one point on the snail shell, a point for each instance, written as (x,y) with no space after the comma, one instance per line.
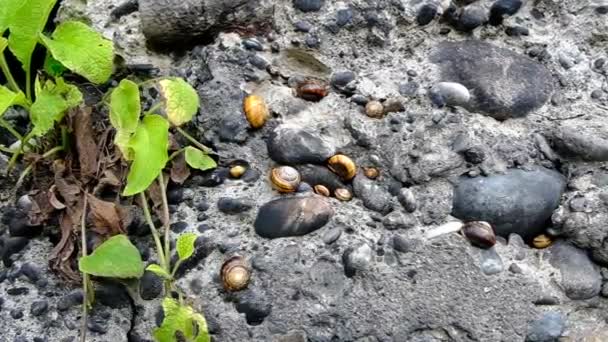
(542,241)
(322,190)
(312,90)
(235,273)
(285,178)
(371,172)
(256,110)
(343,194)
(480,233)
(237,171)
(343,166)
(374,109)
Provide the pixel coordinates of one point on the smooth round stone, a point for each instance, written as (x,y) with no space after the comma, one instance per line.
(39,307)
(407,199)
(502,8)
(291,146)
(518,201)
(292,216)
(357,259)
(581,279)
(491,263)
(308,5)
(480,66)
(546,329)
(426,14)
(332,236)
(451,93)
(471,18)
(317,174)
(374,196)
(584,139)
(303,26)
(233,206)
(150,286)
(342,78)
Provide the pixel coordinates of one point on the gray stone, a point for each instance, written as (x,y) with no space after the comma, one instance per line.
(357,259)
(451,93)
(584,139)
(398,220)
(291,146)
(516,202)
(491,263)
(292,216)
(547,329)
(504,84)
(580,278)
(373,195)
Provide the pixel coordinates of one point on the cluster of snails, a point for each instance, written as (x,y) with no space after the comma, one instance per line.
(481,234)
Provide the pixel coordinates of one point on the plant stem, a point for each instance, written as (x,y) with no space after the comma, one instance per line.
(154,108)
(28,169)
(7,73)
(176,153)
(24,141)
(163,192)
(85,276)
(7,150)
(193,141)
(10,129)
(176,267)
(28,83)
(159,246)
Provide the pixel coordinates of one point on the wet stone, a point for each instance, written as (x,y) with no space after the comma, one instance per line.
(491,263)
(546,329)
(515,202)
(17,291)
(72,299)
(471,18)
(292,216)
(580,278)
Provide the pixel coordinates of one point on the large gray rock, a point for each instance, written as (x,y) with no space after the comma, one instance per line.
(516,202)
(585,139)
(581,279)
(503,83)
(291,146)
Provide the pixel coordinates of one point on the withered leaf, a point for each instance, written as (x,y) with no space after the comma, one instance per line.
(53,200)
(69,188)
(41,208)
(106,217)
(88,150)
(61,257)
(179,169)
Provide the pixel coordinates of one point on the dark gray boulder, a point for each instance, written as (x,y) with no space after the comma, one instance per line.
(291,146)
(292,216)
(503,83)
(518,201)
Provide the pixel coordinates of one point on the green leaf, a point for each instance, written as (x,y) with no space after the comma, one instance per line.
(159,271)
(52,102)
(125,108)
(9,98)
(198,159)
(185,245)
(53,67)
(26,24)
(82,50)
(181,318)
(149,145)
(181,100)
(8,8)
(115,258)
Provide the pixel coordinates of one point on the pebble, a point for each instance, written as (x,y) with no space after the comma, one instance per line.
(342,78)
(39,307)
(408,89)
(517,201)
(253,44)
(356,259)
(259,62)
(516,31)
(30,271)
(233,128)
(344,17)
(292,216)
(16,313)
(491,263)
(233,206)
(308,5)
(179,227)
(471,18)
(398,220)
(303,26)
(292,146)
(407,199)
(373,195)
(150,286)
(450,93)
(580,278)
(319,175)
(502,8)
(112,294)
(478,66)
(98,325)
(426,14)
(212,178)
(374,109)
(548,328)
(18,227)
(255,305)
(71,299)
(583,139)
(405,245)
(17,291)
(332,235)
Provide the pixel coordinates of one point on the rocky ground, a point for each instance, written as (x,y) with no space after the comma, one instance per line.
(521,142)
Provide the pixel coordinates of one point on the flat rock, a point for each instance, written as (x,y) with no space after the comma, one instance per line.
(292,216)
(503,84)
(291,146)
(546,329)
(581,279)
(518,201)
(585,139)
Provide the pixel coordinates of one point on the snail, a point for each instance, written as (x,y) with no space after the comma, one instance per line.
(237,171)
(343,166)
(371,172)
(256,110)
(374,109)
(285,179)
(312,90)
(235,273)
(343,194)
(542,241)
(480,233)
(322,190)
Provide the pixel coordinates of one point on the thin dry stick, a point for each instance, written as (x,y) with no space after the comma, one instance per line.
(85,277)
(163,192)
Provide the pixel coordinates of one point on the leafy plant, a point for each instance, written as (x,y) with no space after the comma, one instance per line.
(115,258)
(183,319)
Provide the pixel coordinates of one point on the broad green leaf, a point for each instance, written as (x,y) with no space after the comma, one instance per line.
(52,102)
(115,258)
(9,98)
(125,106)
(159,271)
(184,319)
(198,159)
(82,50)
(181,100)
(149,145)
(185,245)
(26,24)
(8,8)
(53,67)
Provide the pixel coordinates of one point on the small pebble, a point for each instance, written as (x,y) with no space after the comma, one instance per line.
(450,93)
(516,31)
(426,14)
(308,5)
(332,236)
(471,18)
(16,313)
(232,206)
(491,263)
(374,109)
(344,17)
(39,307)
(179,227)
(546,329)
(502,8)
(303,26)
(356,259)
(253,44)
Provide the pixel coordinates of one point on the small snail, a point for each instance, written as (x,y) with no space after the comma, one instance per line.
(237,171)
(371,172)
(343,166)
(374,109)
(312,90)
(256,110)
(480,233)
(322,190)
(542,241)
(235,274)
(343,194)
(285,179)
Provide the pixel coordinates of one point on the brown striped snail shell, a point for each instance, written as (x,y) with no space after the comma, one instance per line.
(312,90)
(343,194)
(256,110)
(285,179)
(322,190)
(343,166)
(480,233)
(235,273)
(371,172)
(542,241)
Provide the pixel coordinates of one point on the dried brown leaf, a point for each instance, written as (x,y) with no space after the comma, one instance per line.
(60,259)
(41,208)
(53,200)
(107,219)
(179,169)
(88,150)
